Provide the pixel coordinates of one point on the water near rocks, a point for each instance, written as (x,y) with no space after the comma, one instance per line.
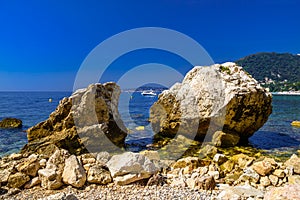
(276,137)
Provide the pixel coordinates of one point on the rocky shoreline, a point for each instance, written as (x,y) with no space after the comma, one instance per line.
(144,175)
(78,152)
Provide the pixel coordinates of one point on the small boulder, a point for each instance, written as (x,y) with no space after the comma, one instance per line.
(265,181)
(10,123)
(51,176)
(208,151)
(294,162)
(33,182)
(130,167)
(279,173)
(50,179)
(99,174)
(4,175)
(17,180)
(274,179)
(206,183)
(30,166)
(190,162)
(221,139)
(249,175)
(73,173)
(219,158)
(262,168)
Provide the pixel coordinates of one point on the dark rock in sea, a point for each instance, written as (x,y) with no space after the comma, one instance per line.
(86,121)
(221,97)
(10,123)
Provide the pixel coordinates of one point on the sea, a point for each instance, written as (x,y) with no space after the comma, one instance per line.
(277,136)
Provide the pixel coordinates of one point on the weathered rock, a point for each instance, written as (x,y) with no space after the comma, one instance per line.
(17,180)
(103,157)
(279,173)
(206,183)
(15,156)
(152,155)
(207,99)
(30,166)
(4,175)
(273,179)
(157,180)
(294,162)
(242,160)
(265,181)
(50,179)
(33,182)
(228,166)
(208,151)
(87,119)
(219,158)
(99,174)
(221,139)
(51,176)
(73,173)
(130,167)
(249,175)
(284,193)
(190,162)
(10,123)
(262,168)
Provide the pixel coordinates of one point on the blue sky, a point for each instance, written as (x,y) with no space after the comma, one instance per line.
(44,42)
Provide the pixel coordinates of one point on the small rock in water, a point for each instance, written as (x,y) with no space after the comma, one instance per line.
(10,123)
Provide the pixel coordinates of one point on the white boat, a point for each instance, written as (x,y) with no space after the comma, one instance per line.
(148,93)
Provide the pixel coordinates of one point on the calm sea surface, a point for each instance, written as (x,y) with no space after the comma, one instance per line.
(276,136)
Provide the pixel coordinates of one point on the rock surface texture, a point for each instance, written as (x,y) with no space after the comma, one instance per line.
(89,119)
(10,123)
(209,99)
(130,167)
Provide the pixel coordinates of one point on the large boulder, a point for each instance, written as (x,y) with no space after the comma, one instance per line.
(87,120)
(221,97)
(11,123)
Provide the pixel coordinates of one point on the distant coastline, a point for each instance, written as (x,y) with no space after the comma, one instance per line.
(290,93)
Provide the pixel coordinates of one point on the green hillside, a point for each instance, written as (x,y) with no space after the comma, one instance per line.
(277,71)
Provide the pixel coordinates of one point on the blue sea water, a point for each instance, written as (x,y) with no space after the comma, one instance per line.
(276,136)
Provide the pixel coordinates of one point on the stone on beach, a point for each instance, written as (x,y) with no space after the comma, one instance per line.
(87,119)
(73,173)
(294,163)
(51,176)
(209,99)
(130,167)
(17,180)
(99,174)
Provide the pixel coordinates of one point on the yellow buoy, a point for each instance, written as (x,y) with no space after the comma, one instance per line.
(140,128)
(296,123)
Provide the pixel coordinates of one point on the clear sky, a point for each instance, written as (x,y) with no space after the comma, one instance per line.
(44,42)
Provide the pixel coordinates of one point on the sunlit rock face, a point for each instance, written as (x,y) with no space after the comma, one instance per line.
(221,97)
(88,120)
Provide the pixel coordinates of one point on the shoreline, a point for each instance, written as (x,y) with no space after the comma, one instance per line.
(286,93)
